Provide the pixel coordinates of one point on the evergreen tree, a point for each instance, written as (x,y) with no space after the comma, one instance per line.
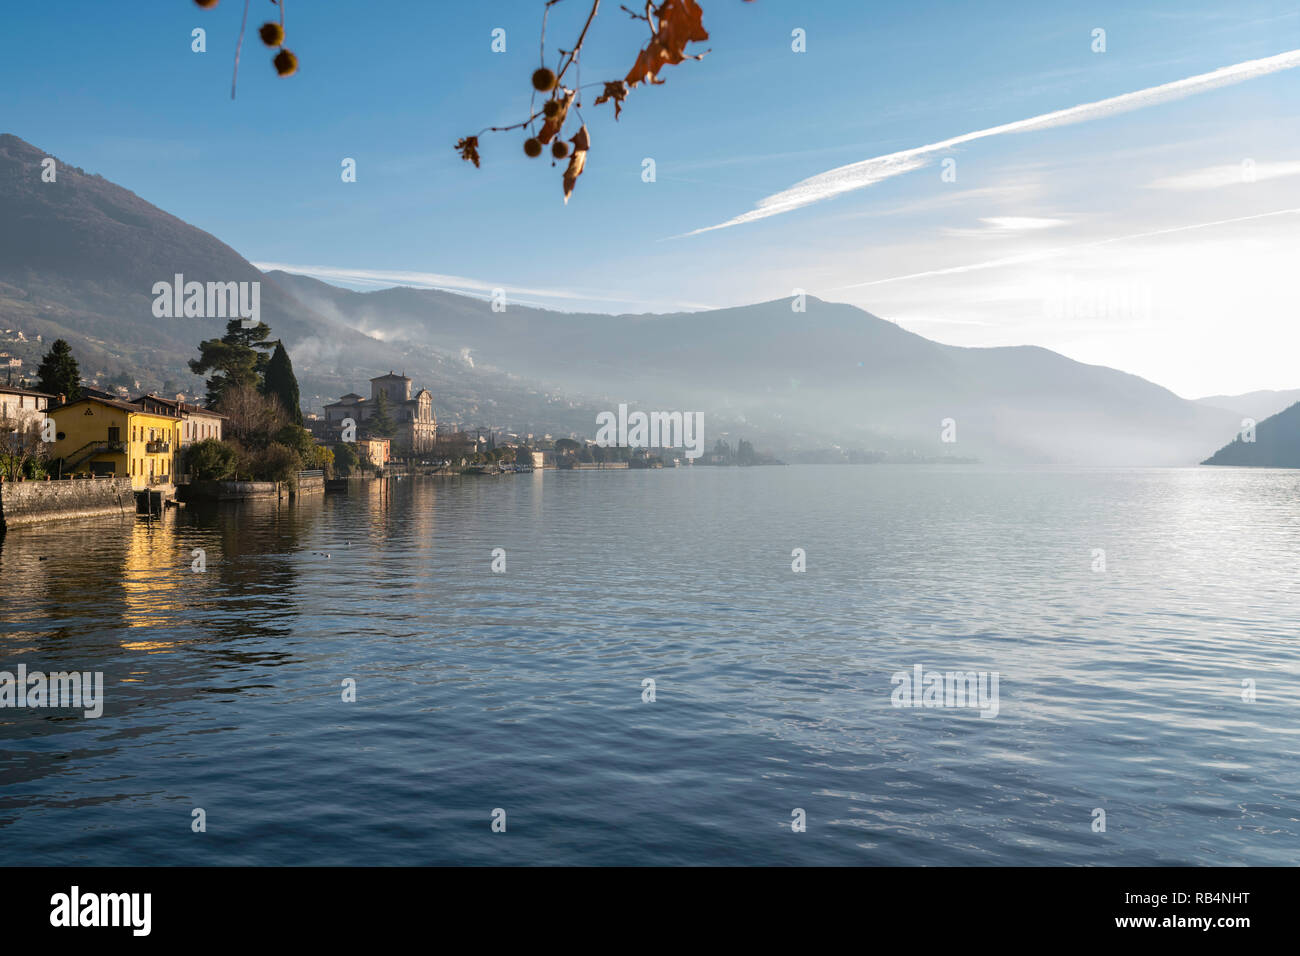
(58,373)
(381,422)
(234,358)
(282,384)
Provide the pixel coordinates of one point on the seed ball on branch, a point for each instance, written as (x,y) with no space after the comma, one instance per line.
(286,64)
(543,80)
(533,147)
(551,107)
(206,3)
(272,34)
(559,149)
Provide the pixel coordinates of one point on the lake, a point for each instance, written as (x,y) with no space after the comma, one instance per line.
(1125,612)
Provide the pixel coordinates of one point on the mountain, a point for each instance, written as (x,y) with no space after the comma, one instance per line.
(79,257)
(833,373)
(1276,444)
(1256,405)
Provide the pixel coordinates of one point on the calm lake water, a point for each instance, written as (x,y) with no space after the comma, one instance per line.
(1119,689)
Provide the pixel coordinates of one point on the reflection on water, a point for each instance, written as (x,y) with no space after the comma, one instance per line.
(1120,690)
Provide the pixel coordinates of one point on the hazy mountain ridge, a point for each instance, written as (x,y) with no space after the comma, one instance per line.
(836,373)
(1257,405)
(78,259)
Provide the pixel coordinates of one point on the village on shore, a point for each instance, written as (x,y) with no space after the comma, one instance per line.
(69,448)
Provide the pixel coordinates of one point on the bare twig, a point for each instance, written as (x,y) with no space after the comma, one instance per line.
(573,54)
(238,48)
(502,129)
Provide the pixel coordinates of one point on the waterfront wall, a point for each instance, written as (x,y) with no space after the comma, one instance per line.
(228,490)
(32,502)
(245,490)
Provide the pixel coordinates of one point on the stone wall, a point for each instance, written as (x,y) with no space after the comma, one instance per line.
(243,490)
(31,502)
(229,490)
(314,485)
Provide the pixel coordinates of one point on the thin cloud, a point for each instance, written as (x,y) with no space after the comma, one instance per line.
(384,279)
(1004,226)
(381,278)
(1020,223)
(1228,174)
(1041,254)
(871,171)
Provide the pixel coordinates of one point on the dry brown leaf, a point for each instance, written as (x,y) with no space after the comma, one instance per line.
(468,147)
(551,128)
(679,22)
(577,162)
(616,91)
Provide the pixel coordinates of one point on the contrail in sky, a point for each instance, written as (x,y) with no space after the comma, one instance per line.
(870,171)
(1051,253)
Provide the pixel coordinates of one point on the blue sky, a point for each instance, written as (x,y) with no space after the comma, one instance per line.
(1090,221)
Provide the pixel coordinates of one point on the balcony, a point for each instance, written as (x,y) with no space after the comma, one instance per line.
(158,448)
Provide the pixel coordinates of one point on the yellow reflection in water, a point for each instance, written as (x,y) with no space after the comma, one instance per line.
(151,575)
(150,646)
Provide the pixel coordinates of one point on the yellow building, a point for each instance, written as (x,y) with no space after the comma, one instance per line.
(103,437)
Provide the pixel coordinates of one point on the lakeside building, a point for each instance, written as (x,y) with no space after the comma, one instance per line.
(415,425)
(374,451)
(197,423)
(23,405)
(102,436)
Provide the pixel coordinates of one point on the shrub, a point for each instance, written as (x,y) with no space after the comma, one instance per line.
(276,462)
(345,459)
(211,460)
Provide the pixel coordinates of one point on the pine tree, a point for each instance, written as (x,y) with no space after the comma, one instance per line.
(58,373)
(282,384)
(234,357)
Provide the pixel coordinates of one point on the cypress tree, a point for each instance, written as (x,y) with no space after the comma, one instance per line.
(282,384)
(381,423)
